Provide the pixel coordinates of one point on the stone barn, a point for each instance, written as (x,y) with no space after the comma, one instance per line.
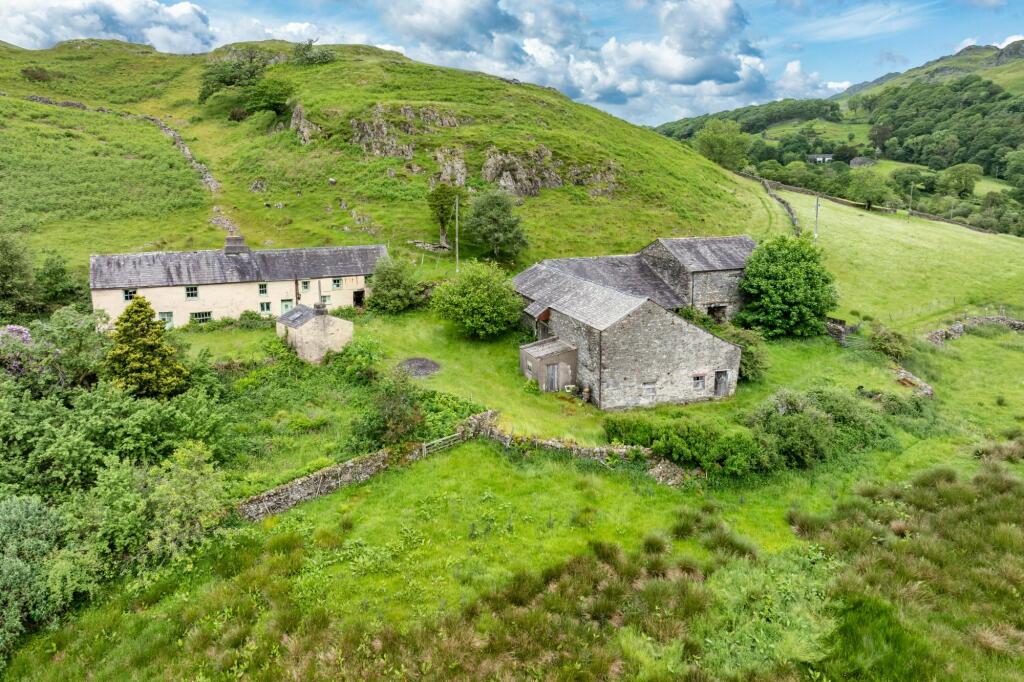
(607,325)
(312,332)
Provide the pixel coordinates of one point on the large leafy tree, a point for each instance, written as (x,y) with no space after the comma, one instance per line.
(493,224)
(394,287)
(723,142)
(787,290)
(959,180)
(241,68)
(16,282)
(480,301)
(441,200)
(868,187)
(269,94)
(141,361)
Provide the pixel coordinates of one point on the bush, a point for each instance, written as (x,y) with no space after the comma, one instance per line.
(738,453)
(359,360)
(480,301)
(394,287)
(141,361)
(786,288)
(393,417)
(889,343)
(269,95)
(308,53)
(754,360)
(238,114)
(38,74)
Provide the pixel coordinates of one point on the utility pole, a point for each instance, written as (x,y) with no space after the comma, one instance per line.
(910,211)
(817,211)
(456,232)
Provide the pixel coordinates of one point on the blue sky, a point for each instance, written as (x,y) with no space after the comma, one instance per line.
(648,61)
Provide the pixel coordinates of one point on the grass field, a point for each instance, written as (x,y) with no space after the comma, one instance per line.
(829,130)
(986,184)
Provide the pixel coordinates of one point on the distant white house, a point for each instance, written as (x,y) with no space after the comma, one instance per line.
(819,158)
(199,286)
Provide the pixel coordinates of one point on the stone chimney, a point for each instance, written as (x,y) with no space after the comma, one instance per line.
(320,308)
(235,244)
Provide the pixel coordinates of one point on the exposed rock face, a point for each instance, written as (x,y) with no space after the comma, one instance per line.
(1014,50)
(601,178)
(521,174)
(306,129)
(451,165)
(378,137)
(258,186)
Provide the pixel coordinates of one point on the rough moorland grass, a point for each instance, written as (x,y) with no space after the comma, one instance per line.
(61,164)
(932,587)
(912,274)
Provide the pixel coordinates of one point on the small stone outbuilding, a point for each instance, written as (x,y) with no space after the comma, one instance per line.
(312,332)
(551,362)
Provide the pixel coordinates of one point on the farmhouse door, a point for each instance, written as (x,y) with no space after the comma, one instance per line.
(551,377)
(721,383)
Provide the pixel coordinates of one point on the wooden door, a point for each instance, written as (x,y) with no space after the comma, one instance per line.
(551,377)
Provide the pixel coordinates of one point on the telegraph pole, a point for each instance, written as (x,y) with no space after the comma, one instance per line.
(817,211)
(456,232)
(910,211)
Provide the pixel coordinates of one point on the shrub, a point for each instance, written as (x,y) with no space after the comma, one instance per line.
(141,361)
(786,288)
(480,301)
(308,53)
(393,417)
(888,342)
(631,429)
(394,287)
(688,442)
(754,360)
(38,74)
(269,94)
(738,453)
(493,225)
(359,360)
(238,114)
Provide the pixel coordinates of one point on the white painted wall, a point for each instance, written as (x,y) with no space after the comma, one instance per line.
(230,300)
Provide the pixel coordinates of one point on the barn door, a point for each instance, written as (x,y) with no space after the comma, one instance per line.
(721,383)
(551,377)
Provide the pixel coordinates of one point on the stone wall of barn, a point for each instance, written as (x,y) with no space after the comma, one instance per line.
(668,267)
(717,288)
(652,356)
(588,349)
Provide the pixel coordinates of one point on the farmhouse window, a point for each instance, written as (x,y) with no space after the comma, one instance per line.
(325,299)
(167,319)
(265,307)
(191,292)
(129,294)
(336,283)
(698,382)
(263,288)
(286,305)
(200,318)
(305,285)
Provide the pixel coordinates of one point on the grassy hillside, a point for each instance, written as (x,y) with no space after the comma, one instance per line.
(649,186)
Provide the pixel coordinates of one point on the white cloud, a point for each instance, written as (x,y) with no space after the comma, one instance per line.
(864,21)
(966,42)
(795,82)
(1009,39)
(179,27)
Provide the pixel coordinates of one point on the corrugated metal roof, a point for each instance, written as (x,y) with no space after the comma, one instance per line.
(297,316)
(177,268)
(549,346)
(703,254)
(593,304)
(630,274)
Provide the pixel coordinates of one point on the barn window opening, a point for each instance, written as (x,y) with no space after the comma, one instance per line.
(717,312)
(698,382)
(649,389)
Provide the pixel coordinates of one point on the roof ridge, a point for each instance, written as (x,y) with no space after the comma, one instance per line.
(592,282)
(250,252)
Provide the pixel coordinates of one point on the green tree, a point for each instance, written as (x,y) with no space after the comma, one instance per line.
(441,200)
(394,416)
(787,290)
(723,142)
(16,282)
(1014,172)
(880,134)
(868,187)
(269,95)
(308,53)
(241,68)
(479,301)
(141,361)
(55,286)
(394,286)
(493,224)
(959,180)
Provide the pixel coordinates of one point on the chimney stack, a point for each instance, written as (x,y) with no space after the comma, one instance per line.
(320,308)
(235,244)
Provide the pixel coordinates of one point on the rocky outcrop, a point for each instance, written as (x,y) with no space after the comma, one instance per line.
(223,221)
(305,128)
(67,103)
(258,186)
(521,174)
(378,137)
(602,179)
(451,166)
(1011,52)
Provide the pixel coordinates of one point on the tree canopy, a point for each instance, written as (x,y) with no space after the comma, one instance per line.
(479,301)
(493,225)
(441,201)
(723,142)
(141,361)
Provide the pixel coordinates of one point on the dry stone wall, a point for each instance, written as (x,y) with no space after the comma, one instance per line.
(958,329)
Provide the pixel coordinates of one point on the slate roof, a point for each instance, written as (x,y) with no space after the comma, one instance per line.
(549,346)
(593,304)
(630,274)
(706,254)
(177,268)
(297,316)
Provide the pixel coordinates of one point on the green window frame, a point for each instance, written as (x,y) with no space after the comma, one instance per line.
(167,318)
(265,307)
(130,294)
(305,285)
(324,298)
(200,317)
(262,288)
(192,292)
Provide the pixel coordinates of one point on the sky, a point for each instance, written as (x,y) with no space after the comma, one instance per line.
(648,61)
